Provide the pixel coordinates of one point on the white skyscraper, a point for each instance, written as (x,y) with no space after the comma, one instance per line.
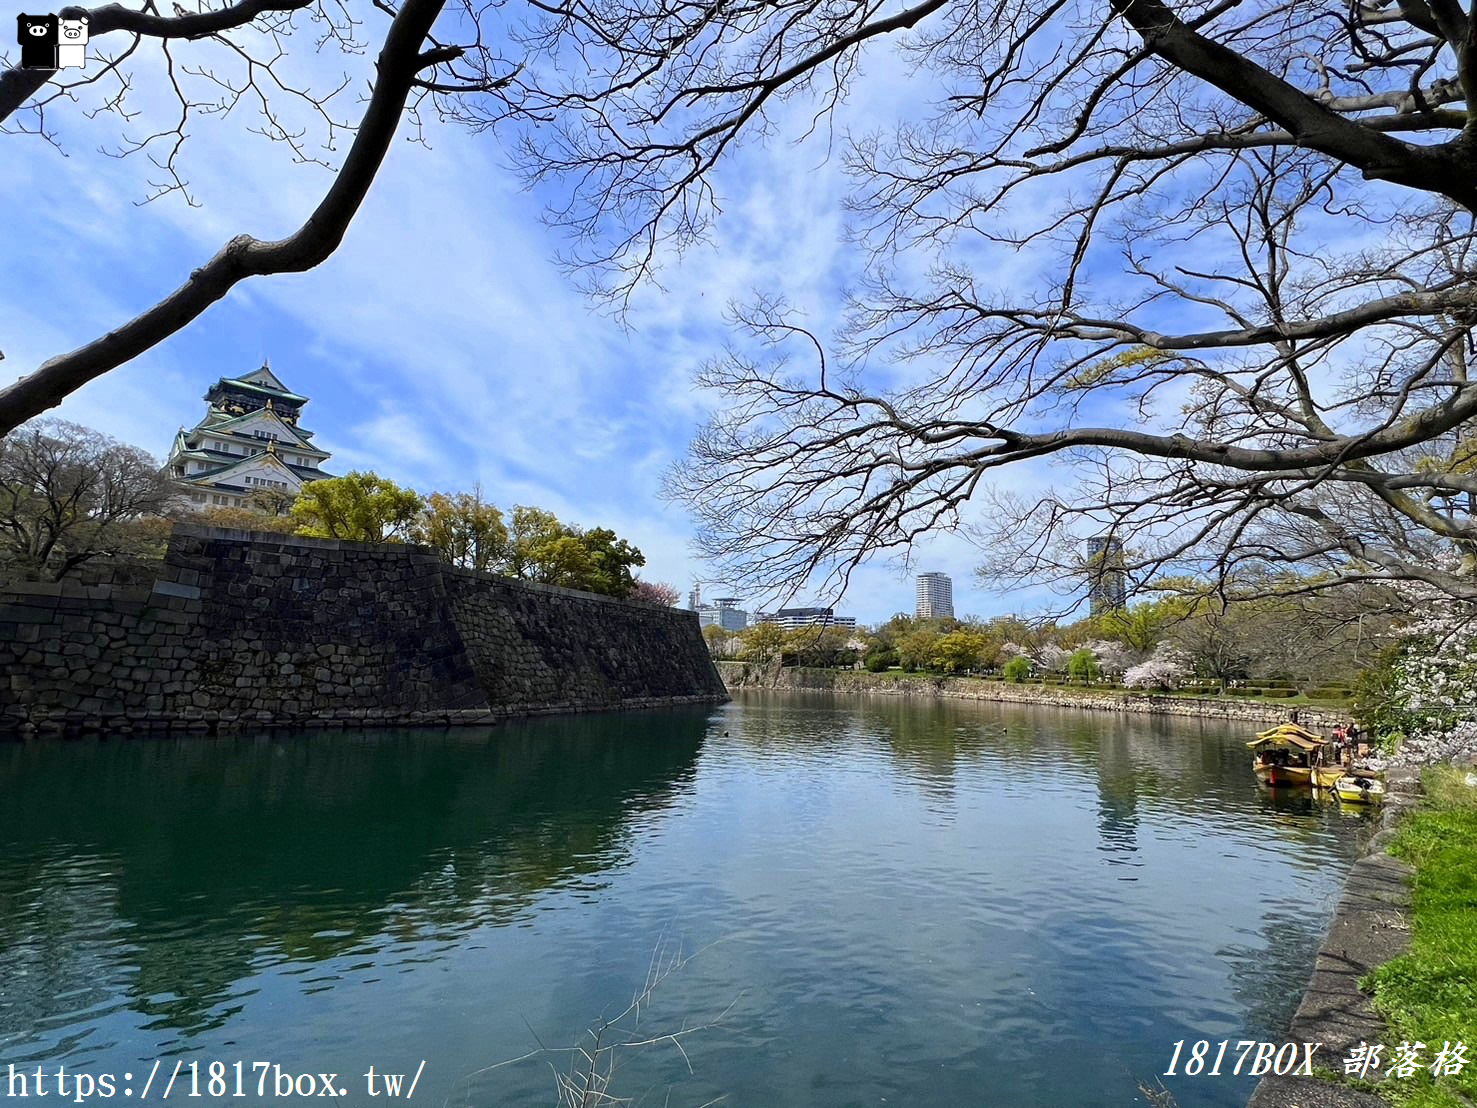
(935,596)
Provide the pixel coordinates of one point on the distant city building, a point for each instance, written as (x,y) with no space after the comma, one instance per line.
(724,612)
(695,598)
(791,618)
(249,441)
(1107,580)
(935,596)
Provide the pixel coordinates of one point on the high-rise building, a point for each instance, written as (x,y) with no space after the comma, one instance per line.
(935,596)
(249,441)
(1107,580)
(724,612)
(791,618)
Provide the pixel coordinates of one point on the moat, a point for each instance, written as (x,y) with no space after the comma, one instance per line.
(921,903)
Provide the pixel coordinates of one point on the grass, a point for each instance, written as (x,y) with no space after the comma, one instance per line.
(1429,994)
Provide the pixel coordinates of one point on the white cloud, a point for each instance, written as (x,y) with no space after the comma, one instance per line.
(441,345)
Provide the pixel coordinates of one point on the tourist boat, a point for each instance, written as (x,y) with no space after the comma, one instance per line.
(1290,754)
(1360,786)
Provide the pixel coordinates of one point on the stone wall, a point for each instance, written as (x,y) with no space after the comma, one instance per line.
(745,675)
(263,630)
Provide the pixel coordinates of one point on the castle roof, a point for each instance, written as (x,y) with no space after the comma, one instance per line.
(228,463)
(221,425)
(262,382)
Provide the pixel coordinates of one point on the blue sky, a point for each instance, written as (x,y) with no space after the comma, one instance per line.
(441,345)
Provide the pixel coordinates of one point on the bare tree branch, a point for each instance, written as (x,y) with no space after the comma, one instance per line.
(19,85)
(399,63)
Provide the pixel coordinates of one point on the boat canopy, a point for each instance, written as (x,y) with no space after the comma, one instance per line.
(1304,742)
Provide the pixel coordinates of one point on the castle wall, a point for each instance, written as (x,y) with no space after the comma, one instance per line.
(266,630)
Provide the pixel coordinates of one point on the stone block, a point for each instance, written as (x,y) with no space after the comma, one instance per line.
(164,587)
(25,613)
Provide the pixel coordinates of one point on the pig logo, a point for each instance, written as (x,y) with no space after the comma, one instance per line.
(38,36)
(71,49)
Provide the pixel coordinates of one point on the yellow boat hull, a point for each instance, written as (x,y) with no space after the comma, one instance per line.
(1350,793)
(1285,775)
(1322,777)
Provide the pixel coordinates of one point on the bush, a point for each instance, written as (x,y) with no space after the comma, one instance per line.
(1083,666)
(1017,669)
(1278,694)
(880,660)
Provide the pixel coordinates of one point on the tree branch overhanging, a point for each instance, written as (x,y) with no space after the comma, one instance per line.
(400,62)
(19,85)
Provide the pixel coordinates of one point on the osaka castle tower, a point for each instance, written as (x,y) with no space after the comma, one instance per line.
(248,442)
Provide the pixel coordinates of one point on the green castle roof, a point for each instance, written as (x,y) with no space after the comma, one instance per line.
(252,386)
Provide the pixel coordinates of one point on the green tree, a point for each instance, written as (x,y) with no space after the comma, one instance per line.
(271,502)
(1017,669)
(959,651)
(611,561)
(820,646)
(1141,626)
(564,561)
(358,507)
(720,642)
(1083,666)
(1016,630)
(465,530)
(540,548)
(1377,700)
(764,642)
(915,649)
(531,539)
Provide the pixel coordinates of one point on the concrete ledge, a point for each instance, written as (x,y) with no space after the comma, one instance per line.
(1371,926)
(1309,1092)
(213,722)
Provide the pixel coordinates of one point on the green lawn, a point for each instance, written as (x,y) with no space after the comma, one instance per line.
(1430,993)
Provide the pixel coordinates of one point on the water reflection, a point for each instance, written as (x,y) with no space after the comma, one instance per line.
(156,875)
(932,902)
(1117,803)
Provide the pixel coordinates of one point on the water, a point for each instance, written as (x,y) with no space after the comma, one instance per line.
(896,902)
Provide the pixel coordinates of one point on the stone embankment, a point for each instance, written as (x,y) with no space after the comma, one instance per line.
(739,675)
(243,629)
(1371,926)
